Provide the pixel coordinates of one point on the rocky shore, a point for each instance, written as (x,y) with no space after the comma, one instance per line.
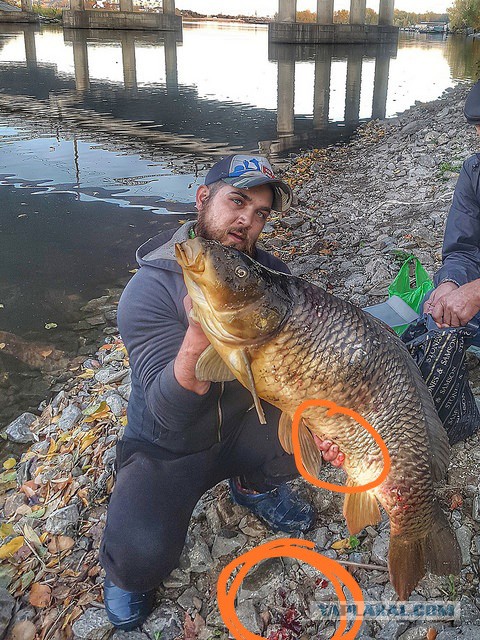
(360,209)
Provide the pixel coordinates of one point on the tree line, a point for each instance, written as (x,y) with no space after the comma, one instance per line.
(401,18)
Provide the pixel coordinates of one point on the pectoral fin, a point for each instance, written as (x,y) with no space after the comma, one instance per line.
(311,456)
(285,432)
(360,509)
(210,366)
(241,364)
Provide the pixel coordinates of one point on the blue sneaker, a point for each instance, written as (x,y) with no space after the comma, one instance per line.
(282,509)
(126,609)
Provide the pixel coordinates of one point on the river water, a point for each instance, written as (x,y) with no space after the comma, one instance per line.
(105,136)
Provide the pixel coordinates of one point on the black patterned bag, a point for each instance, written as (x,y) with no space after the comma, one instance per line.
(440,355)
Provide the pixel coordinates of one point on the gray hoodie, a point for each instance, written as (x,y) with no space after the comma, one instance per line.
(152,321)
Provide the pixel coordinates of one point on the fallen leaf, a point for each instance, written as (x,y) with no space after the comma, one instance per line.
(23,630)
(46,352)
(60,543)
(2,345)
(340,545)
(11,547)
(456,501)
(432,634)
(40,595)
(6,529)
(9,463)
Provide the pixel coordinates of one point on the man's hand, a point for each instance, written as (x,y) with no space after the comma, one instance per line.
(453,306)
(194,344)
(330,451)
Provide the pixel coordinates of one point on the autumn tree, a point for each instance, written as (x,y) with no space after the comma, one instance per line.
(465,13)
(306,16)
(371,16)
(342,16)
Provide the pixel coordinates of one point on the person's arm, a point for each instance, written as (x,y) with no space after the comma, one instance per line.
(154,326)
(461,245)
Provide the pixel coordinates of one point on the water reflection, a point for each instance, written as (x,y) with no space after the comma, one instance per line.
(287,57)
(196,105)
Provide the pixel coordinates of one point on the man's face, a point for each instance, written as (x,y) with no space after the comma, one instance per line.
(235,217)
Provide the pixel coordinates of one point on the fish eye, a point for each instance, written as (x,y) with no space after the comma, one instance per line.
(241,272)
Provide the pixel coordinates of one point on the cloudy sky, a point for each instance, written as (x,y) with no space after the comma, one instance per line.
(268,7)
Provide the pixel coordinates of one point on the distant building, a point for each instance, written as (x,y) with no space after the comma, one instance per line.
(432,27)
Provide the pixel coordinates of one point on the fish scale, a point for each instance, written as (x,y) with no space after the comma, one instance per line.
(288,341)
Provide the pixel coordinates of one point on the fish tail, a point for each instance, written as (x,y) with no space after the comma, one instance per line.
(443,553)
(409,560)
(406,564)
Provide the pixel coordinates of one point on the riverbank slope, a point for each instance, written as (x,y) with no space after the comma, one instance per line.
(360,208)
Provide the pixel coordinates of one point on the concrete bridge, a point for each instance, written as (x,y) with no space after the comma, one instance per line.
(11,14)
(286,29)
(77,17)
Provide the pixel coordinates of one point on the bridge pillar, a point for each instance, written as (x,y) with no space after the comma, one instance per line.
(129,62)
(354,88)
(30,49)
(321,92)
(77,5)
(386,12)
(169,7)
(325,11)
(171,69)
(287,10)
(286,98)
(126,5)
(357,11)
(80,63)
(380,86)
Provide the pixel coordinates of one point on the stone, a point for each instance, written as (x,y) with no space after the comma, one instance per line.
(116,403)
(108,375)
(19,429)
(464,538)
(198,555)
(320,537)
(63,520)
(291,222)
(177,579)
(23,630)
(7,602)
(92,625)
(188,598)
(476,508)
(129,635)
(165,622)
(70,416)
(392,630)
(124,390)
(224,546)
(249,617)
(12,503)
(380,549)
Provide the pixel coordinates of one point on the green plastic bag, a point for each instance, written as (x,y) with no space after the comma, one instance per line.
(401,286)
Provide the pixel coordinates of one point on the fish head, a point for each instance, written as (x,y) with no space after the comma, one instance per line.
(236,300)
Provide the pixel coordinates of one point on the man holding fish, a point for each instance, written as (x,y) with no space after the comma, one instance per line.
(184,435)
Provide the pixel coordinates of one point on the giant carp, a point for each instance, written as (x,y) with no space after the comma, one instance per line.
(287,341)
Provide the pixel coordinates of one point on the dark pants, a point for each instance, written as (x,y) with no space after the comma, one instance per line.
(156,491)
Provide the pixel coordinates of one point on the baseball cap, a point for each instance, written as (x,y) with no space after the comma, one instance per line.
(472,105)
(245,171)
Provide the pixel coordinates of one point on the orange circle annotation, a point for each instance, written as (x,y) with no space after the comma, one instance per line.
(293,548)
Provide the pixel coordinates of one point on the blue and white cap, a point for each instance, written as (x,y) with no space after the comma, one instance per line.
(245,171)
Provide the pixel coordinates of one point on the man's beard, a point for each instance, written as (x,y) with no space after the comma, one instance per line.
(204,230)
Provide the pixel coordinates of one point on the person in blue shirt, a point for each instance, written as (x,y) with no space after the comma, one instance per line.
(456,298)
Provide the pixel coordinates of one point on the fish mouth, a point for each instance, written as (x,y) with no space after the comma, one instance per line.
(190,256)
